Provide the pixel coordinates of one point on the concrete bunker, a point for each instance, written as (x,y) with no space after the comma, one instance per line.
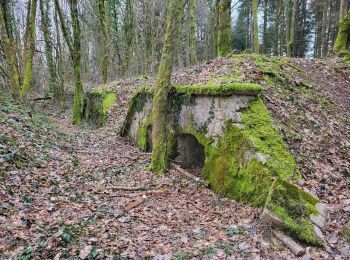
(228,128)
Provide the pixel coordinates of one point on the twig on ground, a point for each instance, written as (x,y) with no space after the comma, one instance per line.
(190,176)
(133,205)
(151,192)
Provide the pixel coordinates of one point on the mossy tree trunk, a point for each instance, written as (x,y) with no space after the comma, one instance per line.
(224,30)
(216,27)
(104,42)
(129,32)
(344,7)
(9,52)
(265,27)
(45,27)
(255,25)
(74,46)
(192,31)
(343,36)
(20,85)
(29,48)
(159,111)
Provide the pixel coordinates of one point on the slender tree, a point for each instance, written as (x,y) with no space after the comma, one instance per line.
(159,110)
(74,45)
(255,26)
(342,41)
(9,52)
(277,25)
(104,42)
(20,85)
(265,27)
(45,27)
(192,32)
(224,28)
(291,41)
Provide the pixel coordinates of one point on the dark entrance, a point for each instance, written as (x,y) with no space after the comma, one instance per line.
(189,152)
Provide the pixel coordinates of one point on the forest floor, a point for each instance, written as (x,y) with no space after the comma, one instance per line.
(69,192)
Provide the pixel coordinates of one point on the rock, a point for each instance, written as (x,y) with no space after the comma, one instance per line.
(306,257)
(346,231)
(84,253)
(268,218)
(318,221)
(318,233)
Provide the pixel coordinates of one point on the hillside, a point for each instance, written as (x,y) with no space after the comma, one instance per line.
(64,190)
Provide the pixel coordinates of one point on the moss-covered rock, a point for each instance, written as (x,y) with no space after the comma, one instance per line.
(97,104)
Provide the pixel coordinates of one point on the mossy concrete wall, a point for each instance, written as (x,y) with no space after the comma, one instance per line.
(245,158)
(97,104)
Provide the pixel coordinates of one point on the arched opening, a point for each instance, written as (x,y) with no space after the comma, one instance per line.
(189,153)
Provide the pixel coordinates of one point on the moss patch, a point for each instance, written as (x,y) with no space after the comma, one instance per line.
(97,104)
(294,206)
(220,89)
(259,129)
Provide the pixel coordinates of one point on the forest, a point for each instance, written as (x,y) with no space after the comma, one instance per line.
(174,129)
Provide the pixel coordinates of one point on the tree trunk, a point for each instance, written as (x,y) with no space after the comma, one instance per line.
(45,27)
(104,42)
(324,28)
(343,8)
(192,31)
(265,27)
(255,24)
(159,111)
(29,50)
(74,46)
(216,27)
(10,54)
(78,89)
(291,42)
(277,24)
(288,23)
(342,40)
(60,67)
(225,31)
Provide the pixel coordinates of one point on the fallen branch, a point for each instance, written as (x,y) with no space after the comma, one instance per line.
(296,249)
(151,192)
(190,176)
(125,188)
(133,205)
(42,98)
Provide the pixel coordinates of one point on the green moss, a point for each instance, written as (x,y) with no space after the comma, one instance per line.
(220,89)
(109,100)
(97,104)
(259,129)
(343,34)
(294,206)
(230,173)
(142,135)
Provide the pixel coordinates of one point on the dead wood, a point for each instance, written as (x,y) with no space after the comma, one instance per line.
(296,249)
